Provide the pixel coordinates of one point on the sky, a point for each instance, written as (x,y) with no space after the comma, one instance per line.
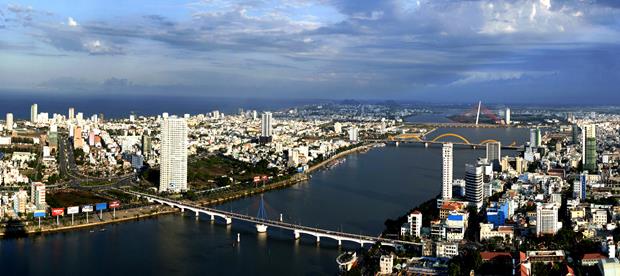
(512,51)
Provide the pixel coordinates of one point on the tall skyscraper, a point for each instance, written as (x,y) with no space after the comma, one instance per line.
(266,130)
(173,159)
(547,219)
(446,191)
(9,121)
(474,185)
(354,134)
(535,137)
(34,113)
(588,150)
(71,113)
(575,134)
(507,116)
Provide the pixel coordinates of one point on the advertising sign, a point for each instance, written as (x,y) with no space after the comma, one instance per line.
(39,213)
(73,210)
(87,208)
(115,204)
(101,206)
(256,178)
(58,211)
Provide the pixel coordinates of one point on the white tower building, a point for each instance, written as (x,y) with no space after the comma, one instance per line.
(474,185)
(507,116)
(446,191)
(34,113)
(266,120)
(173,163)
(9,121)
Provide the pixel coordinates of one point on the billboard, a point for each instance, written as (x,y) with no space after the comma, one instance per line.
(115,204)
(58,211)
(73,210)
(101,206)
(256,178)
(39,213)
(87,208)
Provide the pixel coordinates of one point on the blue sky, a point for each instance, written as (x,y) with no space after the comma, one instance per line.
(551,51)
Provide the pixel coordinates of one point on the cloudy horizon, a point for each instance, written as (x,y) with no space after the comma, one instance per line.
(546,51)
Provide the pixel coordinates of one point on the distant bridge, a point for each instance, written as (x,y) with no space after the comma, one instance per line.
(262,224)
(409,137)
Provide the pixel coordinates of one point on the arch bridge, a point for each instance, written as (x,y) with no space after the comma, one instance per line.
(462,140)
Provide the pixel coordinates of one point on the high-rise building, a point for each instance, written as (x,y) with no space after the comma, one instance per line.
(535,137)
(588,150)
(71,113)
(266,121)
(353,134)
(34,113)
(579,187)
(474,185)
(494,153)
(575,134)
(446,191)
(9,121)
(337,127)
(146,145)
(507,116)
(415,222)
(547,219)
(173,160)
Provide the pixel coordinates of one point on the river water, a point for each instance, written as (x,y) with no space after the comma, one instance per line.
(355,196)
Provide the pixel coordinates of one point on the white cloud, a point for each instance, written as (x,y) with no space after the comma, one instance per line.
(478,77)
(71,22)
(97,47)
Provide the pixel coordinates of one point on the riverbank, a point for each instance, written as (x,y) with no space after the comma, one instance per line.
(297,178)
(31,227)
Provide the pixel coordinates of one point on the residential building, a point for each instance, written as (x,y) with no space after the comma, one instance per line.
(447,151)
(173,163)
(588,150)
(9,121)
(474,185)
(34,113)
(547,219)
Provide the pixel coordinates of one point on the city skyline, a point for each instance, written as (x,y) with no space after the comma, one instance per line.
(514,51)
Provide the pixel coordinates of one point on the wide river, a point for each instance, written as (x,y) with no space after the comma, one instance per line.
(355,196)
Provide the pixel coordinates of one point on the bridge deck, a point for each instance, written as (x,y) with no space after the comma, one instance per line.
(278,224)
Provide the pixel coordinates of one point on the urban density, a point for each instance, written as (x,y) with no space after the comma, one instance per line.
(548,205)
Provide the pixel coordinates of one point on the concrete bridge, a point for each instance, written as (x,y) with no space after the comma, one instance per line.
(262,224)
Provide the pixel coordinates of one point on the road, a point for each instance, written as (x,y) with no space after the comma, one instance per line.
(68,168)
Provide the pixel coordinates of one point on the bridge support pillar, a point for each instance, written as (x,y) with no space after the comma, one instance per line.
(339,243)
(296,234)
(228,220)
(182,210)
(212,217)
(261,228)
(426,145)
(197,215)
(318,239)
